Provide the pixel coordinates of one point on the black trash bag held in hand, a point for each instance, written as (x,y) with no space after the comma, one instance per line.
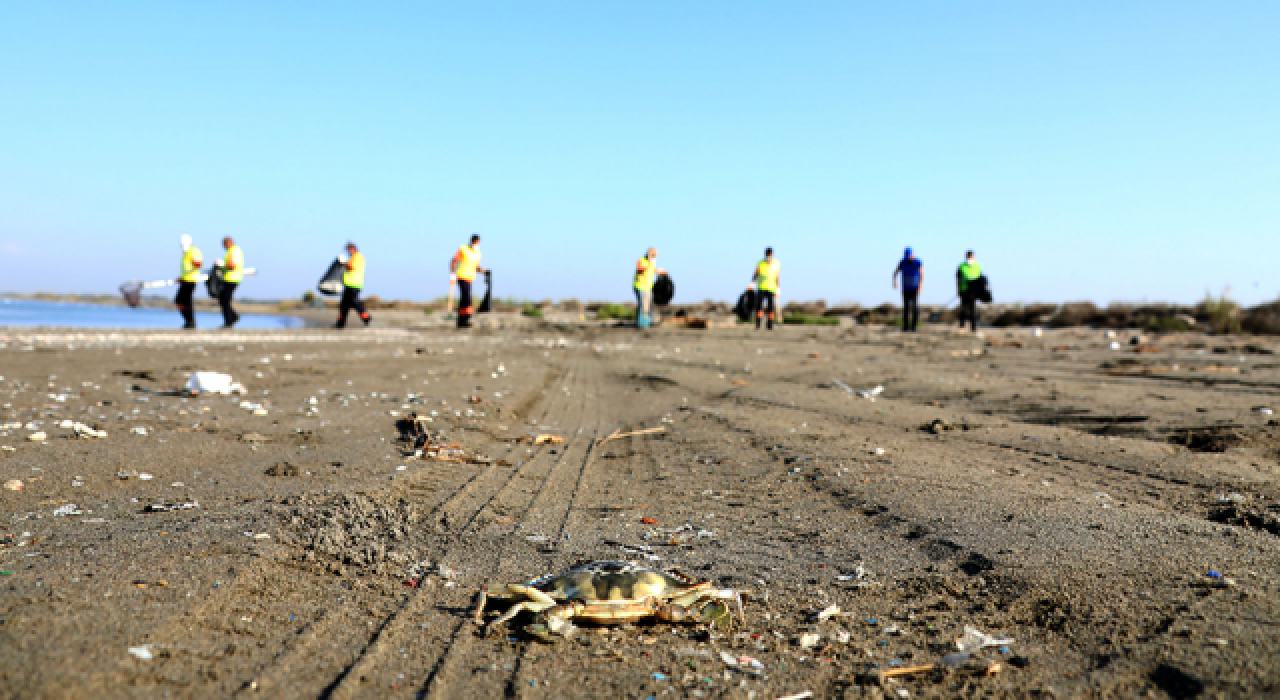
(331,283)
(664,290)
(748,303)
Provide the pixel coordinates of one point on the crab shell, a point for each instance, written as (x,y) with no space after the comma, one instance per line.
(618,592)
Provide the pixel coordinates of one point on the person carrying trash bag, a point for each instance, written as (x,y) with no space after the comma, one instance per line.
(765,281)
(352,283)
(968,286)
(462,271)
(912,271)
(647,272)
(192,259)
(232,272)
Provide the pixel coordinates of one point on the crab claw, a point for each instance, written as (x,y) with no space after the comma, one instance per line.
(712,612)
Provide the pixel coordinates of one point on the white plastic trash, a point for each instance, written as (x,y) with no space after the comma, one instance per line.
(213,383)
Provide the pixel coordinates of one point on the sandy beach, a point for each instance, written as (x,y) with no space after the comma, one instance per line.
(1107,503)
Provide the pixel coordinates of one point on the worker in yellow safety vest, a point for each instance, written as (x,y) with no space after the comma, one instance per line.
(352,283)
(647,272)
(968,273)
(192,259)
(462,271)
(232,267)
(765,281)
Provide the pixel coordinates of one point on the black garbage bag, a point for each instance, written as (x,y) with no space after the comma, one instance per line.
(981,289)
(485,305)
(664,290)
(747,305)
(215,283)
(331,283)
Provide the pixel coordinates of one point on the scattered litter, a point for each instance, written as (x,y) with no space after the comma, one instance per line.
(139,430)
(798,696)
(878,451)
(69,509)
(1231,498)
(262,536)
(1265,411)
(828,612)
(841,385)
(144,476)
(659,676)
(546,439)
(213,383)
(870,393)
(164,507)
(142,653)
(254,437)
(648,521)
(37,436)
(14,485)
(85,431)
(974,639)
(808,640)
(8,448)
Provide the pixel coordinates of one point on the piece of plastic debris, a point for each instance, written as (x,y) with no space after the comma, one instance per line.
(37,436)
(213,383)
(144,476)
(648,521)
(808,640)
(68,509)
(659,677)
(973,639)
(1214,574)
(828,612)
(139,430)
(879,451)
(142,653)
(14,485)
(957,659)
(728,659)
(798,696)
(262,536)
(164,507)
(871,393)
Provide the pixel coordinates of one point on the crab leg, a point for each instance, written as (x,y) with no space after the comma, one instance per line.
(538,602)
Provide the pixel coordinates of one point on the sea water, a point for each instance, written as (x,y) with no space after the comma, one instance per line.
(27,313)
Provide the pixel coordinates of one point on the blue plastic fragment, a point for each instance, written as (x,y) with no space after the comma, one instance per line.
(882,643)
(1004,650)
(895,662)
(1213,574)
(659,677)
(872,621)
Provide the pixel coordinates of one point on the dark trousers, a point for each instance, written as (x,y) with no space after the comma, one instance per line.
(229,315)
(910,309)
(350,300)
(185,305)
(766,299)
(465,308)
(969,310)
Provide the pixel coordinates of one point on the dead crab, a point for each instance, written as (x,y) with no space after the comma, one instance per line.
(612,593)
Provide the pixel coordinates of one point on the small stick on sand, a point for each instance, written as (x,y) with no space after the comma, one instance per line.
(646,431)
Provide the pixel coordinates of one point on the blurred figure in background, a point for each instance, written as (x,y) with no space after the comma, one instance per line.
(352,283)
(192,259)
(912,273)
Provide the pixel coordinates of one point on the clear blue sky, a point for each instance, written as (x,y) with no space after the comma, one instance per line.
(1086,150)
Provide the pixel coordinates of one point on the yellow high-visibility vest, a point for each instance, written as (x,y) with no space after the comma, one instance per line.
(767,276)
(646,273)
(467,260)
(233,265)
(354,276)
(191,273)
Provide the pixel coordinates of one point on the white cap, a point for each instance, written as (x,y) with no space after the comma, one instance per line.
(186,242)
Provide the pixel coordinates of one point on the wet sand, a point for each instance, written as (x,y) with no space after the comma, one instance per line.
(1053,490)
